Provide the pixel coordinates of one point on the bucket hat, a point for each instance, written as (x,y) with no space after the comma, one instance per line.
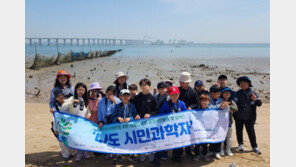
(63,72)
(244,78)
(95,85)
(185,77)
(120,74)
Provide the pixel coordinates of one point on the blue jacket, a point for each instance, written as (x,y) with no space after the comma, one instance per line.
(215,104)
(166,108)
(105,111)
(119,111)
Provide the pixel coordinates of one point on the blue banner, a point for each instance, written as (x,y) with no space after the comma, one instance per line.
(158,133)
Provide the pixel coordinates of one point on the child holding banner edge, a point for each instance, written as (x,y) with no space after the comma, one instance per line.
(77,105)
(226,95)
(59,97)
(174,105)
(204,101)
(146,106)
(216,102)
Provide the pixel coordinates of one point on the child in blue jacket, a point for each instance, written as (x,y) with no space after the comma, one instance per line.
(123,112)
(174,105)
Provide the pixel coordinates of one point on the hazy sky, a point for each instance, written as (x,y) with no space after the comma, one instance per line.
(222,21)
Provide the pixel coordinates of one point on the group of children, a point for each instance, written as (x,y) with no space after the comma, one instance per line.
(122,103)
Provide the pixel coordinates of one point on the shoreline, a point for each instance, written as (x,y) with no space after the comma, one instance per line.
(103,70)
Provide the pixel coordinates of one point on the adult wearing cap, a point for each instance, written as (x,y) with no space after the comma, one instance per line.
(200,88)
(189,96)
(120,82)
(247,101)
(223,83)
(63,83)
(93,100)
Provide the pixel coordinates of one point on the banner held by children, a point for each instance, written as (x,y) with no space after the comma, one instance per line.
(157,133)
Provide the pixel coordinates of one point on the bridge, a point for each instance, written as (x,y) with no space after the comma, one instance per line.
(84,41)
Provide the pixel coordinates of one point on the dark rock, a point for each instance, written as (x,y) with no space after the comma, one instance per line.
(30,76)
(201,65)
(71,65)
(88,77)
(146,75)
(261,82)
(193,66)
(209,80)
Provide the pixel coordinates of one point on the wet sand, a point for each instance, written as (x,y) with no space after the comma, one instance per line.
(103,70)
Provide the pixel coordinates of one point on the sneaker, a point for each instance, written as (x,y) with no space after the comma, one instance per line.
(86,155)
(217,156)
(78,157)
(240,147)
(256,150)
(222,152)
(195,158)
(108,156)
(133,159)
(164,156)
(229,153)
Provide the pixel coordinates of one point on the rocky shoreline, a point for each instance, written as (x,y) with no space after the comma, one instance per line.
(39,83)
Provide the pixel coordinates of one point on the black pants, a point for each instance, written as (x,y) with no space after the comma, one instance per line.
(239,124)
(204,148)
(188,151)
(177,152)
(216,148)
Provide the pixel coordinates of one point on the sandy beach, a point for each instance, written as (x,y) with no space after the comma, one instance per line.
(42,148)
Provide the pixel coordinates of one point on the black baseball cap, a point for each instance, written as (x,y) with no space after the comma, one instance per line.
(222,77)
(162,85)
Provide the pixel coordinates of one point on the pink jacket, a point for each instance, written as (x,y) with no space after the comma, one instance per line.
(93,105)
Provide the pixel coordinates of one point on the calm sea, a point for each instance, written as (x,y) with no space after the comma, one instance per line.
(173,51)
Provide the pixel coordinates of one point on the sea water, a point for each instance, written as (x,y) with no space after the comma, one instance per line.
(164,51)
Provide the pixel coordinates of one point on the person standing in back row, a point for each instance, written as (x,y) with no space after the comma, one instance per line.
(120,82)
(189,96)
